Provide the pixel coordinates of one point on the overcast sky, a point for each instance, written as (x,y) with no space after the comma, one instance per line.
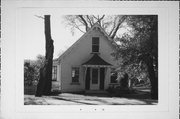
(32,33)
(32,36)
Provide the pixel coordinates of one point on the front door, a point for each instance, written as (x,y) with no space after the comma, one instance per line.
(94,85)
(102,77)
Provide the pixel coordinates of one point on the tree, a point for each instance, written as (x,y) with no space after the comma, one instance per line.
(110,23)
(40,60)
(31,69)
(38,64)
(45,80)
(138,48)
(140,51)
(124,81)
(29,73)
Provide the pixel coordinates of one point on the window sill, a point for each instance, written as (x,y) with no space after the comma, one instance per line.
(75,83)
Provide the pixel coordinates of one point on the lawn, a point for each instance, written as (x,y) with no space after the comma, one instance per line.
(140,98)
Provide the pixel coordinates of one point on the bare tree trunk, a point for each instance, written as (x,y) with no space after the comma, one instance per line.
(45,81)
(153,79)
(154,61)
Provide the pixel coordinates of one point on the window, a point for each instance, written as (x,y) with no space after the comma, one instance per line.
(75,74)
(54,73)
(95,44)
(113,76)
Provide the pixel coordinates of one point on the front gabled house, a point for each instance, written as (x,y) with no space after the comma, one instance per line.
(87,65)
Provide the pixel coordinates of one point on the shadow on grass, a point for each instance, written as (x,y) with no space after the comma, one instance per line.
(53,93)
(71,100)
(142,97)
(136,95)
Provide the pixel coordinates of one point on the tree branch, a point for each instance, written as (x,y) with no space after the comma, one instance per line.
(39,16)
(121,20)
(76,26)
(95,18)
(112,29)
(85,23)
(99,19)
(89,20)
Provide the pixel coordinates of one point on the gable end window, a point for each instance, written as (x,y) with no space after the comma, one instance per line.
(75,74)
(95,44)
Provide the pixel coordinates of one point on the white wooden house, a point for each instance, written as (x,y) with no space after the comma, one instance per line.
(87,65)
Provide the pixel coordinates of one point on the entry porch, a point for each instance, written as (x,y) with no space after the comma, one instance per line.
(96,73)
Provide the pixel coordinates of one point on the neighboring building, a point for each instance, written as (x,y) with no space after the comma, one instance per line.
(87,64)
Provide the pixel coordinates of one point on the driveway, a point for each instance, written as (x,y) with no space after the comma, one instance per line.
(80,99)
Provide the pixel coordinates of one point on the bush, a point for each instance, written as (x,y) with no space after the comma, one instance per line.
(119,90)
(124,81)
(31,70)
(111,89)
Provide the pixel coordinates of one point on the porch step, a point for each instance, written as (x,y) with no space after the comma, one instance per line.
(96,92)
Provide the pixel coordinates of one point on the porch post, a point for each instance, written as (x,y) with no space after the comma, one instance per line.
(85,72)
(106,78)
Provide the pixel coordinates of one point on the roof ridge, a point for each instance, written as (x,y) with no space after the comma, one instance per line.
(109,39)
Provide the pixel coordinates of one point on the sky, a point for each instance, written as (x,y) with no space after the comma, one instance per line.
(32,33)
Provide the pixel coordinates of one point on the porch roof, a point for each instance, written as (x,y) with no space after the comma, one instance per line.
(96,61)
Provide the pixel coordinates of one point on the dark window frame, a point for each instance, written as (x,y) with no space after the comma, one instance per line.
(95,44)
(75,77)
(54,73)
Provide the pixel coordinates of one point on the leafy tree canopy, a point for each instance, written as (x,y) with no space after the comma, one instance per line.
(134,34)
(137,47)
(31,69)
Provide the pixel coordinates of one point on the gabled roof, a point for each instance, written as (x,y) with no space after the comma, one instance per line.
(96,60)
(109,40)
